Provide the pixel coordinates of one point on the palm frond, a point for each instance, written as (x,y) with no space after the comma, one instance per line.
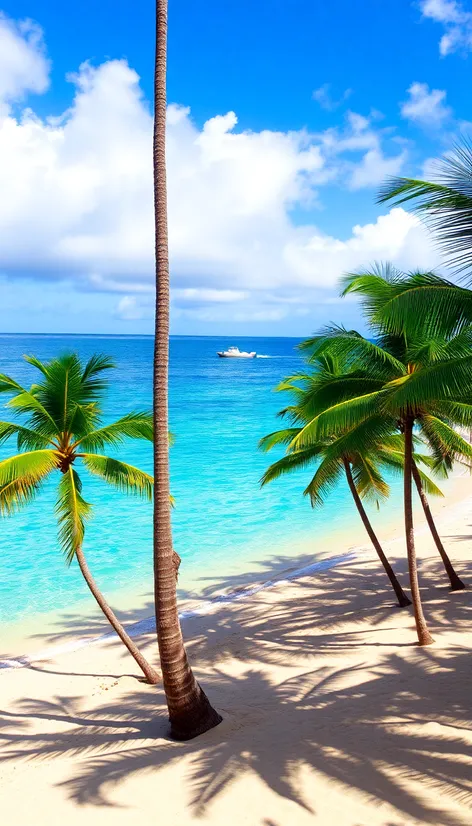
(9,385)
(126,478)
(292,461)
(337,419)
(364,438)
(324,481)
(279,437)
(456,411)
(353,349)
(375,286)
(25,437)
(135,425)
(38,418)
(21,477)
(16,494)
(96,365)
(428,485)
(321,395)
(438,308)
(35,362)
(444,440)
(368,480)
(83,419)
(442,380)
(62,389)
(72,512)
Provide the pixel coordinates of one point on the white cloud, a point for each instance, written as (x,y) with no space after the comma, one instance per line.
(375,167)
(323,96)
(457,23)
(77,201)
(23,63)
(398,236)
(426,106)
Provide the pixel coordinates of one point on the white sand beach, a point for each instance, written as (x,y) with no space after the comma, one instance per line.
(332,713)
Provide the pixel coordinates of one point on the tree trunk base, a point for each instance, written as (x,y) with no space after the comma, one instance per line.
(403,601)
(155,679)
(190,725)
(457,585)
(425,639)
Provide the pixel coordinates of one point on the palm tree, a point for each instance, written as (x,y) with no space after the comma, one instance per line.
(333,457)
(190,712)
(445,203)
(362,449)
(60,428)
(424,382)
(440,464)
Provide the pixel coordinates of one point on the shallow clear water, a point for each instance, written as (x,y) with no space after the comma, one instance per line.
(219,409)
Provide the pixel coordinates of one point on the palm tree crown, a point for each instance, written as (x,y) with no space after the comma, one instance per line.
(416,372)
(59,427)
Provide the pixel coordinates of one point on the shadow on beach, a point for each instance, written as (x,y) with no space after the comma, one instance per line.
(395,728)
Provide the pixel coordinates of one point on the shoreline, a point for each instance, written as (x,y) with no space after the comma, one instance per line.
(249,582)
(148,625)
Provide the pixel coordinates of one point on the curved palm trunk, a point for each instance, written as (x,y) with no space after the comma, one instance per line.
(190,712)
(454,579)
(399,592)
(151,675)
(424,637)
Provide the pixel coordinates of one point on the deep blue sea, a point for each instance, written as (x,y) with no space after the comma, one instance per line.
(219,409)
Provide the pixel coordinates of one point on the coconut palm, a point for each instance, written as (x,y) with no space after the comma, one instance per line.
(425,382)
(59,429)
(190,712)
(445,203)
(382,289)
(348,381)
(359,453)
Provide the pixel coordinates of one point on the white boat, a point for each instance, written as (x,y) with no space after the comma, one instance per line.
(235,353)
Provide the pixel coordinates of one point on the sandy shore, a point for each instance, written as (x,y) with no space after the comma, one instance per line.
(332,714)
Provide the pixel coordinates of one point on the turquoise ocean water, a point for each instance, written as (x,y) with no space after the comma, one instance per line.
(218,409)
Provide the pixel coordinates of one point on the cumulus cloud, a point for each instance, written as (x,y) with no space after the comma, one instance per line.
(426,106)
(456,21)
(398,236)
(77,199)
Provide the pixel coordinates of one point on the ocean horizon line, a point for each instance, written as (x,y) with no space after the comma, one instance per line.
(144,335)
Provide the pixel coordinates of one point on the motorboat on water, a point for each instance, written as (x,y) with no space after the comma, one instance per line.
(236,353)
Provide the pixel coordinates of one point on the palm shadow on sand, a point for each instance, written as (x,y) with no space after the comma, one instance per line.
(392,732)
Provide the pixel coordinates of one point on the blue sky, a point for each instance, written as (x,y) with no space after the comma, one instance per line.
(284,120)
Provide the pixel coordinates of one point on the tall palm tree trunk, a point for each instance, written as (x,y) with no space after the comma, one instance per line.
(149,672)
(190,712)
(424,637)
(454,579)
(399,592)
